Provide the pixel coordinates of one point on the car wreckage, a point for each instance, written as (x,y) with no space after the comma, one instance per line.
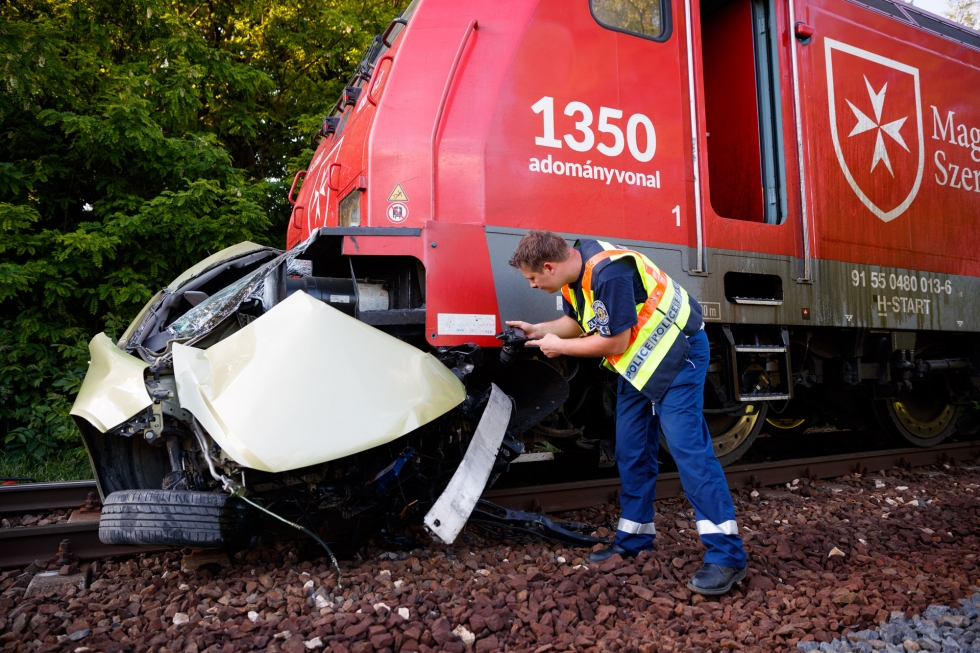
(226,396)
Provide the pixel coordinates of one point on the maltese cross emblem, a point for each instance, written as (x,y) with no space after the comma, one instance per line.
(876,126)
(864,123)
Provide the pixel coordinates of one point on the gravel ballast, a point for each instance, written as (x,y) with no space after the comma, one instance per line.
(829,563)
(38,519)
(939,628)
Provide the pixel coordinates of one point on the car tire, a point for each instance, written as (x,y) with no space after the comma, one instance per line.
(176,518)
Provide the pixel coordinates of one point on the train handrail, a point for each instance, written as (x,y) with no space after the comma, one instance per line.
(699,267)
(391,26)
(807,276)
(330,167)
(298,212)
(299,175)
(441,109)
(372,82)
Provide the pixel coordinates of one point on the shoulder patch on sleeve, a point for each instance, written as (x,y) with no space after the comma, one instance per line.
(601,314)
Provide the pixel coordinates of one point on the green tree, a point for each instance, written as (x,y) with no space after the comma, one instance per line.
(135,138)
(966,12)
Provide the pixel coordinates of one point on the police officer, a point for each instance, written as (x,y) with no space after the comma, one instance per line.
(619,306)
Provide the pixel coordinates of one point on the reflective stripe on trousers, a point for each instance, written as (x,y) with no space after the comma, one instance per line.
(637,441)
(707,527)
(636,528)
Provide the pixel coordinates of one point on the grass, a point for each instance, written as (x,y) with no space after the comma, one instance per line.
(69,464)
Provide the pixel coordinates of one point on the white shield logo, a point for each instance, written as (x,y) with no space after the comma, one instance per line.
(875,104)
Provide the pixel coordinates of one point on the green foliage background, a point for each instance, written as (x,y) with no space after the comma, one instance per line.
(966,12)
(135,138)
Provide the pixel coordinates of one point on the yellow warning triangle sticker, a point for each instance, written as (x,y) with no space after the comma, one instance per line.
(398,194)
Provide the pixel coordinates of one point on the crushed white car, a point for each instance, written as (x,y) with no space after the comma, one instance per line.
(247,376)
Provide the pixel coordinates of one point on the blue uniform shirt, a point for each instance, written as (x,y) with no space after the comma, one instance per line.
(617,289)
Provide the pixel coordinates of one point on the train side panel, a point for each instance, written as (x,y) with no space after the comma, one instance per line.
(894,169)
(522,115)
(894,118)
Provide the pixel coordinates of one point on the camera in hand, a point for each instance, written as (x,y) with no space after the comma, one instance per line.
(513,340)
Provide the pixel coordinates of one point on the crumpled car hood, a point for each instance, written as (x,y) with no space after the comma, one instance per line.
(305,384)
(113,389)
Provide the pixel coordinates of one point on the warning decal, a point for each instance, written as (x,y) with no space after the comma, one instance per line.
(466,324)
(397,212)
(398,194)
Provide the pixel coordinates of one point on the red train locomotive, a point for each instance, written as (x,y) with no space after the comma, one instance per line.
(809,170)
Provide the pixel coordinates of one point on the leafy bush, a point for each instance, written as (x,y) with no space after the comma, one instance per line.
(135,139)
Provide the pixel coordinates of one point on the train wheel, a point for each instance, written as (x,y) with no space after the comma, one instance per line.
(787,426)
(733,435)
(923,417)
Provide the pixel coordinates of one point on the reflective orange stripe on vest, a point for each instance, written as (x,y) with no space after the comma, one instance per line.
(649,306)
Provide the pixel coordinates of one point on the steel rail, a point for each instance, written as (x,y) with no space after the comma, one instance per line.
(38,497)
(586,494)
(23,545)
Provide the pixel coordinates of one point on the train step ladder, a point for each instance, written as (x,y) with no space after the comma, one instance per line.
(761,371)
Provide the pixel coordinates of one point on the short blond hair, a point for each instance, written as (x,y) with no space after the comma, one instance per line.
(539,247)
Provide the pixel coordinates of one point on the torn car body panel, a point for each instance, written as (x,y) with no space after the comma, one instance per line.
(113,390)
(138,320)
(306,384)
(451,510)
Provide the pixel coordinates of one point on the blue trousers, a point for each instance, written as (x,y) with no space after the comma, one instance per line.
(678,414)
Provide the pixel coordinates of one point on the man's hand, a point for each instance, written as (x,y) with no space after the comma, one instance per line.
(530,330)
(551,345)
(594,346)
(563,327)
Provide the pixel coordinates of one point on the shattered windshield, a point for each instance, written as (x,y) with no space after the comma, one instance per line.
(208,314)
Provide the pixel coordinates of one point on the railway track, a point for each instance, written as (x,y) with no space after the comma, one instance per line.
(582,494)
(38,497)
(22,545)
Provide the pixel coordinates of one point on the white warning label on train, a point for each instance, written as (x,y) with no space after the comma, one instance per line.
(898,304)
(467,324)
(710,310)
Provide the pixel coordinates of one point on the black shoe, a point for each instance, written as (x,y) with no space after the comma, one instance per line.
(713,580)
(608,552)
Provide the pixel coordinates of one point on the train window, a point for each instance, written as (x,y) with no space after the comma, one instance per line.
(645,18)
(746,175)
(349,210)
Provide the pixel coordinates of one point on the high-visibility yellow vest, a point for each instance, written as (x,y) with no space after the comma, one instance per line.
(658,341)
